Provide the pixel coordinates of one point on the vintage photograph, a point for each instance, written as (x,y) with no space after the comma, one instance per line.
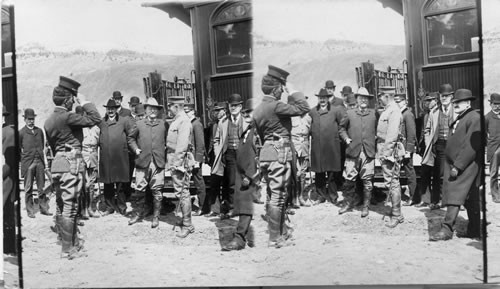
(250,143)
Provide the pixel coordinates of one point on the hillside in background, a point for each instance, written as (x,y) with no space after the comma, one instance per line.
(99,73)
(312,63)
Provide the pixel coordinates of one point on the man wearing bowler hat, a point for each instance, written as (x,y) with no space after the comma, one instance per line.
(32,144)
(492,122)
(121,111)
(273,123)
(330,88)
(64,135)
(134,101)
(463,167)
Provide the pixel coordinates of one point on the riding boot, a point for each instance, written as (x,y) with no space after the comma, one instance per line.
(71,247)
(30,207)
(396,216)
(302,202)
(92,206)
(348,189)
(274,224)
(156,213)
(187,227)
(44,205)
(367,195)
(138,215)
(83,206)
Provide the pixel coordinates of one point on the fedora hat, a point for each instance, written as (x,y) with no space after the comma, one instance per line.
(362,91)
(220,105)
(346,90)
(235,99)
(134,100)
(323,92)
(350,99)
(117,94)
(248,105)
(5,112)
(445,89)
(111,103)
(152,102)
(495,98)
(463,94)
(69,84)
(431,95)
(329,84)
(29,113)
(278,73)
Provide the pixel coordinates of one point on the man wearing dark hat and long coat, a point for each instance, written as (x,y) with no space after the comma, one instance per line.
(325,145)
(273,123)
(121,111)
(64,135)
(492,124)
(32,145)
(330,88)
(115,140)
(463,168)
(149,142)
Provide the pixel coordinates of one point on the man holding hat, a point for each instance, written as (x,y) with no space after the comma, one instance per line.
(330,88)
(273,123)
(325,145)
(149,140)
(389,152)
(121,111)
(492,123)
(32,145)
(409,133)
(64,134)
(358,130)
(115,140)
(463,167)
(199,156)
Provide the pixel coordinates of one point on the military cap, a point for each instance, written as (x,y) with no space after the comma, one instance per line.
(329,84)
(248,105)
(111,103)
(446,89)
(134,100)
(463,94)
(29,113)
(69,84)
(386,89)
(278,73)
(117,94)
(176,99)
(323,92)
(495,98)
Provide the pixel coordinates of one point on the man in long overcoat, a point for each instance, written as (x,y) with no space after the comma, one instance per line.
(32,144)
(115,139)
(492,123)
(463,167)
(325,145)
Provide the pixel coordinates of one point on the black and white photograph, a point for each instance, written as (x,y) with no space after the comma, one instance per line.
(250,143)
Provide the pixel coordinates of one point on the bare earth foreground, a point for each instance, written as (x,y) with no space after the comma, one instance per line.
(329,249)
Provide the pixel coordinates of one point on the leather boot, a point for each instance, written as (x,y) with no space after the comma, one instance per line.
(30,207)
(367,195)
(92,208)
(44,205)
(71,247)
(187,227)
(321,192)
(349,191)
(302,202)
(138,216)
(446,233)
(396,216)
(273,224)
(156,213)
(83,206)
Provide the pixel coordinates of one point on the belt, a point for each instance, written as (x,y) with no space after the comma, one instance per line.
(90,150)
(276,138)
(77,154)
(279,143)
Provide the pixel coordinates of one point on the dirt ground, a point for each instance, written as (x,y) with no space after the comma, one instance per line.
(329,249)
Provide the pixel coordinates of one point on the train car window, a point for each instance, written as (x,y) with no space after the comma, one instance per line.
(452,32)
(6,44)
(232,37)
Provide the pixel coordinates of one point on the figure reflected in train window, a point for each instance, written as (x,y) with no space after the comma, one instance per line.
(233,43)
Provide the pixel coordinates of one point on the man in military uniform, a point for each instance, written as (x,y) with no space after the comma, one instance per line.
(273,123)
(64,134)
(390,150)
(180,161)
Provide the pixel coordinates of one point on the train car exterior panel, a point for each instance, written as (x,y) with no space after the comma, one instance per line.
(222,87)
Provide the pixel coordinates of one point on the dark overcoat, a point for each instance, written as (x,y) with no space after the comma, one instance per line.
(198,140)
(492,123)
(246,166)
(115,139)
(151,137)
(31,144)
(463,151)
(409,130)
(361,128)
(325,139)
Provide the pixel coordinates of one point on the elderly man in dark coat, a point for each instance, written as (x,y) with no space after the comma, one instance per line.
(463,167)
(492,123)
(325,145)
(115,138)
(32,144)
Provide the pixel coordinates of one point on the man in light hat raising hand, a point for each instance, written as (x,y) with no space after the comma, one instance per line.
(492,123)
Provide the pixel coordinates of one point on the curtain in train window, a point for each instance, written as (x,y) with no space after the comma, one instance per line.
(452,31)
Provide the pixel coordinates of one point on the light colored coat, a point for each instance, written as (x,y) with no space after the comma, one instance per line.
(179,138)
(220,146)
(430,136)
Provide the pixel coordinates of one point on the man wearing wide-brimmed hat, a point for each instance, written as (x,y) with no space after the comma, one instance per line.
(115,139)
(273,123)
(32,144)
(463,166)
(121,111)
(64,132)
(390,150)
(358,130)
(492,128)
(325,146)
(149,140)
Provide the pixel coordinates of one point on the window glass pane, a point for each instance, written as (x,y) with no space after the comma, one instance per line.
(439,5)
(233,43)
(452,33)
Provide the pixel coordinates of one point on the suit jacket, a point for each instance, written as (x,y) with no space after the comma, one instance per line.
(179,138)
(151,138)
(198,140)
(361,128)
(31,144)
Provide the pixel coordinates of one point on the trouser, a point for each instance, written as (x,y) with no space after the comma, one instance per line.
(229,176)
(35,171)
(302,166)
(325,181)
(495,162)
(181,188)
(277,176)
(425,182)
(391,171)
(115,197)
(363,168)
(151,177)
(88,198)
(213,193)
(68,188)
(199,183)
(127,187)
(438,171)
(411,175)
